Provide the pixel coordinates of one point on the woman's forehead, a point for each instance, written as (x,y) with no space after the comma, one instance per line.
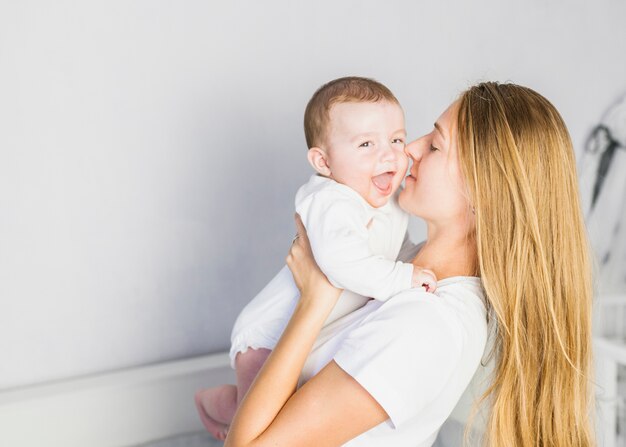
(446,119)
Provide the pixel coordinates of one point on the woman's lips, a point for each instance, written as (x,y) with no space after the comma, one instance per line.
(411,176)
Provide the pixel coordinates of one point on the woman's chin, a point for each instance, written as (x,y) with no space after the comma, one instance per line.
(404,201)
(408,201)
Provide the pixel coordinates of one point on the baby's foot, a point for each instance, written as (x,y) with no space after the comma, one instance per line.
(216,428)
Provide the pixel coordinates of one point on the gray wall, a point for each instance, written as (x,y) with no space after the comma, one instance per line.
(150,150)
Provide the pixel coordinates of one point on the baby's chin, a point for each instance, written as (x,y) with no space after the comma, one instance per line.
(377,203)
(377,200)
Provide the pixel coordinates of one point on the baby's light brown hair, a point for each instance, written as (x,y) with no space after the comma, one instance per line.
(348,89)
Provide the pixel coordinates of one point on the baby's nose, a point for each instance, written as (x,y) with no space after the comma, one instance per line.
(388,153)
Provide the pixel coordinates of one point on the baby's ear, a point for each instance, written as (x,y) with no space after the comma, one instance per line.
(319,160)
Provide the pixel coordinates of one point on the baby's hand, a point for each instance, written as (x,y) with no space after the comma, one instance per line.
(424,278)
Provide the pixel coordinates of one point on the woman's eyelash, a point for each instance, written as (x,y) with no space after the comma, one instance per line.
(433,148)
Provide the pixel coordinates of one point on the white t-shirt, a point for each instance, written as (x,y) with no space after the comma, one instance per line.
(415,354)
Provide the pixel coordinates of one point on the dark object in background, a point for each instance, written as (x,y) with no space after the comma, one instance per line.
(602,171)
(602,141)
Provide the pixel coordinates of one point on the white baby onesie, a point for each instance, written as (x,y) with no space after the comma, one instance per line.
(355,245)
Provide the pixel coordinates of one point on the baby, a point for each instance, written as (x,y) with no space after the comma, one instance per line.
(354,129)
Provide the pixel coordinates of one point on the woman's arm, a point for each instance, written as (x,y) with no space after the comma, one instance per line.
(329,409)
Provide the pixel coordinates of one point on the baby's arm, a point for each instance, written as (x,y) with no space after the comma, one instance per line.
(339,237)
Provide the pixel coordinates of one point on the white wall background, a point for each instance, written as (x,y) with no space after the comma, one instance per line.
(150,150)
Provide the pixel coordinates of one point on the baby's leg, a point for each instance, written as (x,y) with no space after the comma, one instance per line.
(217,406)
(247,366)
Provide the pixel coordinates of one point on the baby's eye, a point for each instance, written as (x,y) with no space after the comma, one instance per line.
(366,144)
(397,140)
(433,148)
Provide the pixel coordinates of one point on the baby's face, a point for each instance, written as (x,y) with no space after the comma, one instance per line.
(365,148)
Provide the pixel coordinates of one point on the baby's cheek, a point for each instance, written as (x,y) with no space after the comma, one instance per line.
(403,162)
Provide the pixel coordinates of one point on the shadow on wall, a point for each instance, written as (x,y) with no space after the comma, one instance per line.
(245,183)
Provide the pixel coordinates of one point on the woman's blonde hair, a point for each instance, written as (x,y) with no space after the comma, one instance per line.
(518,162)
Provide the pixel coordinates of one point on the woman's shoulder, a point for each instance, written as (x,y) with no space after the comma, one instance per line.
(456,308)
(451,292)
(416,352)
(461,289)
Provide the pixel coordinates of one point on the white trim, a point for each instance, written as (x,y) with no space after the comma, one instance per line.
(116,409)
(137,405)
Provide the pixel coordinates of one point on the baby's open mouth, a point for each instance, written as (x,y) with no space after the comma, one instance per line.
(383,181)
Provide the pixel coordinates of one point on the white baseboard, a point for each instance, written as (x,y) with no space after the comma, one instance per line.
(134,406)
(117,409)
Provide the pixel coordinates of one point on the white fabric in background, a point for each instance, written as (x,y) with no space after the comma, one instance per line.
(606,220)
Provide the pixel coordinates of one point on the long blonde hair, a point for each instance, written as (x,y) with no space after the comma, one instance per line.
(517,159)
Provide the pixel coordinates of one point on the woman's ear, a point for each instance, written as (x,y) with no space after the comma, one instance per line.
(319,160)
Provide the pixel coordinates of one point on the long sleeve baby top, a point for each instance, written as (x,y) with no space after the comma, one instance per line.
(354,243)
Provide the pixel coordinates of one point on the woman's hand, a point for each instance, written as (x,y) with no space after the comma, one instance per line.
(307,275)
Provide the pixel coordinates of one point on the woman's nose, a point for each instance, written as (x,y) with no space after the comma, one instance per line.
(412,150)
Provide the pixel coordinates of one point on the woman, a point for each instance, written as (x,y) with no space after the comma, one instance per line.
(496,183)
